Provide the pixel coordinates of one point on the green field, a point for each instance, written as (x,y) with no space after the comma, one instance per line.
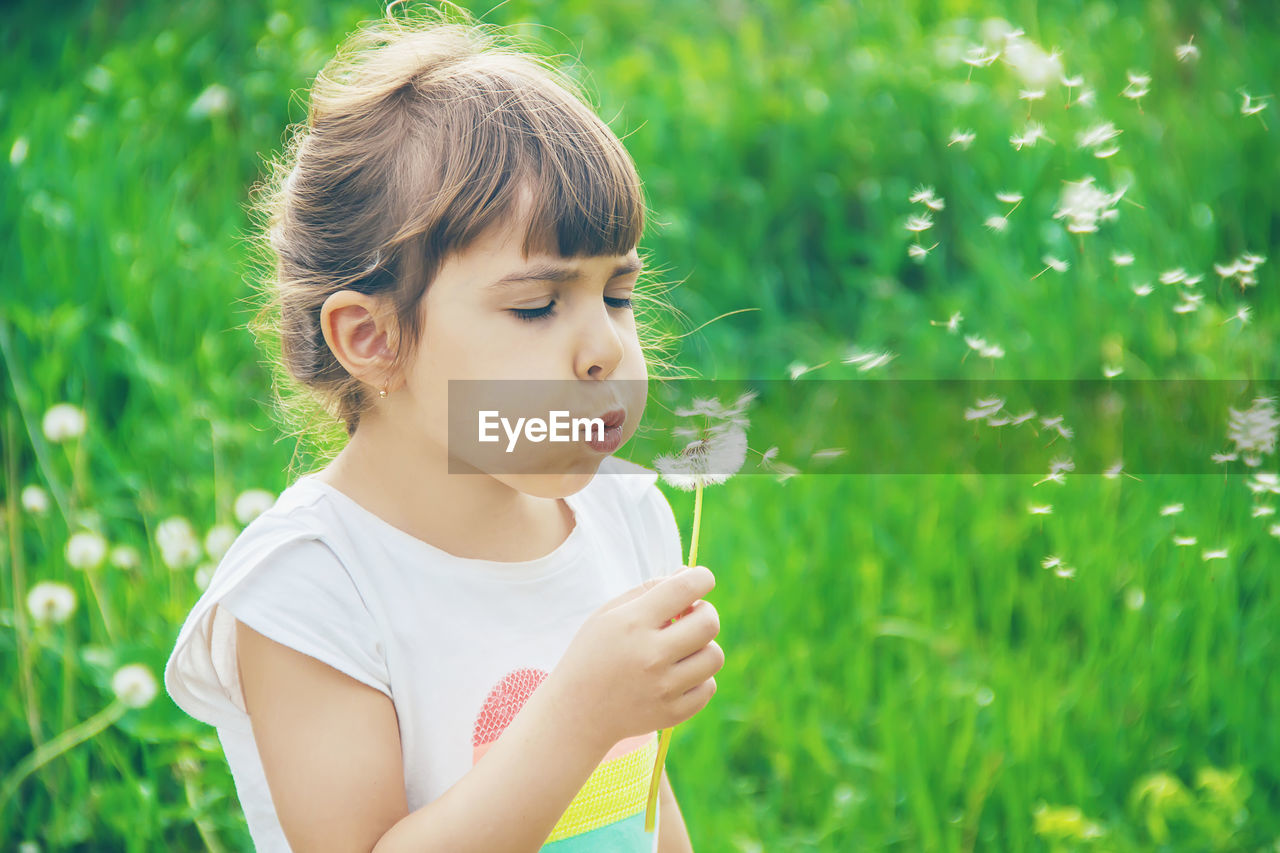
(903,670)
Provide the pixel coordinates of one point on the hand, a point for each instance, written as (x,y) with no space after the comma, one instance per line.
(631,669)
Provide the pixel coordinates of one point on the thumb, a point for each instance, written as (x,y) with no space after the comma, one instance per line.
(637,591)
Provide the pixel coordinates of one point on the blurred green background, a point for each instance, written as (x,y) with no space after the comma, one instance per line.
(903,673)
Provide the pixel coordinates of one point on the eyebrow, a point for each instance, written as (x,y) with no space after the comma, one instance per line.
(561,273)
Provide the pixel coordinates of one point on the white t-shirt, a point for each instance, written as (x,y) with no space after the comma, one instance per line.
(457,644)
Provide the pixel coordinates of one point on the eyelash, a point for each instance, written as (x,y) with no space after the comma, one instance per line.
(532,314)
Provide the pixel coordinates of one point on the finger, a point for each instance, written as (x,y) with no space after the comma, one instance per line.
(631,594)
(690,633)
(699,666)
(674,594)
(694,700)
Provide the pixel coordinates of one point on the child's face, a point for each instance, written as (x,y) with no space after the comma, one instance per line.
(484,321)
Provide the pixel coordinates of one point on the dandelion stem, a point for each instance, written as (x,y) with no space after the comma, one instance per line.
(56,746)
(664,739)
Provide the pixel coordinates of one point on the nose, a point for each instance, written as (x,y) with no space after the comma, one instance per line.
(599,345)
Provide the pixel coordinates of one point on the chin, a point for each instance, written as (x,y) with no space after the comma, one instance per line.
(558,485)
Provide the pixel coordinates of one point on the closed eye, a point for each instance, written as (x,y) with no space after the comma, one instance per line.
(548,310)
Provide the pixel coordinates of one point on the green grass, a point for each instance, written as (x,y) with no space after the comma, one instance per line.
(902,674)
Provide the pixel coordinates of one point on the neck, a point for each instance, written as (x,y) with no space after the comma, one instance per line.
(408,484)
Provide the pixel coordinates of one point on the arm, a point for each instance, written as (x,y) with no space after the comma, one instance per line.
(673,837)
(330,750)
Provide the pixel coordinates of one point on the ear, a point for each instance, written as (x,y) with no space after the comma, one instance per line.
(358,329)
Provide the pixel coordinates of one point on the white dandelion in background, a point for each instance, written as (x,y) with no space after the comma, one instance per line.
(134,685)
(252,503)
(1253,430)
(51,603)
(35,500)
(963,138)
(86,550)
(1274,530)
(983,347)
(63,422)
(1171,509)
(1187,52)
(176,539)
(218,541)
(125,557)
(203,575)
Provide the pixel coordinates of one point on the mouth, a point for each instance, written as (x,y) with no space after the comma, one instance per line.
(613,418)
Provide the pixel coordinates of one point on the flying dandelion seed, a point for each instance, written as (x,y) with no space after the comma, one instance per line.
(1051,263)
(1097,136)
(952,323)
(827,453)
(1242,314)
(919,223)
(1138,88)
(1018,420)
(1252,106)
(1064,572)
(918,253)
(1186,307)
(997,223)
(1224,458)
(868,360)
(1051,562)
(1173,276)
(1007,197)
(797,369)
(1142,289)
(963,138)
(1187,52)
(1265,482)
(1084,205)
(1184,541)
(1254,430)
(1040,509)
(1274,530)
(1031,94)
(1122,259)
(1115,470)
(1032,134)
(1086,98)
(925,195)
(1263,511)
(1111,371)
(984,408)
(1171,509)
(1220,554)
(1071,83)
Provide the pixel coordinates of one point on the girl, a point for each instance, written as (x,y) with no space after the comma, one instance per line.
(423,647)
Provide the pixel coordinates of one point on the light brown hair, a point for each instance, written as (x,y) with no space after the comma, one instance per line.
(422,132)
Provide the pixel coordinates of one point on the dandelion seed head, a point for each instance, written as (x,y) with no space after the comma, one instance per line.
(252,503)
(86,550)
(63,422)
(35,500)
(706,461)
(219,540)
(51,603)
(176,539)
(125,557)
(134,685)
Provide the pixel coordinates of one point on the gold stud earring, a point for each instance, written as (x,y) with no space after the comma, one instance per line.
(383,392)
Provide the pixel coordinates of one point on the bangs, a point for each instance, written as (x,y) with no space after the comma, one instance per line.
(522,149)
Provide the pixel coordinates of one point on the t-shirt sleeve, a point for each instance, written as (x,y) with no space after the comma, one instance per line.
(664,553)
(304,598)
